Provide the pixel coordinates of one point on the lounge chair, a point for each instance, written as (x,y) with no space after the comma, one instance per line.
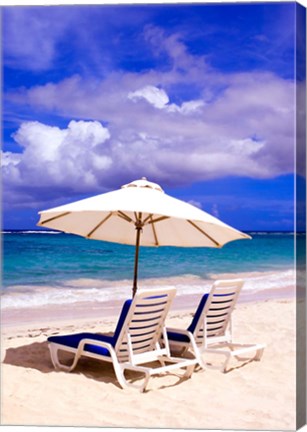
(134,343)
(210,330)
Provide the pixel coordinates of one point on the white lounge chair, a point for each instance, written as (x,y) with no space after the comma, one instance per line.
(135,341)
(210,330)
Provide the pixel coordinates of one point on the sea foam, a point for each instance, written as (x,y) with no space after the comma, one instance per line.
(91,290)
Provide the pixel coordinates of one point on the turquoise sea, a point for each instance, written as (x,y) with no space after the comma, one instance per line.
(45,267)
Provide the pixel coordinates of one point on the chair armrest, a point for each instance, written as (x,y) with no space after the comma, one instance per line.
(96,342)
(101,344)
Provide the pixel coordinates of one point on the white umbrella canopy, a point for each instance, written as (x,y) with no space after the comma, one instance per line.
(140,213)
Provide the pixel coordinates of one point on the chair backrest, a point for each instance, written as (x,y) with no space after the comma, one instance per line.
(216,310)
(144,323)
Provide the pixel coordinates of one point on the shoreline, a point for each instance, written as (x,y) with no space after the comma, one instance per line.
(90,297)
(95,310)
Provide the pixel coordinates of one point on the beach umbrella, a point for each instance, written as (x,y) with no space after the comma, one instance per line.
(140,213)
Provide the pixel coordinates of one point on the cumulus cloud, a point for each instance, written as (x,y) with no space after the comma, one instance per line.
(9,158)
(236,124)
(155,96)
(55,159)
(187,107)
(159,99)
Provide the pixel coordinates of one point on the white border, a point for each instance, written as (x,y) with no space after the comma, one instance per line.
(114,2)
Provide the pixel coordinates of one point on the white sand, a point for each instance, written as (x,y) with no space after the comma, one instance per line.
(256,395)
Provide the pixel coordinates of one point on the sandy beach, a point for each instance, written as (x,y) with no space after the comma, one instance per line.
(252,395)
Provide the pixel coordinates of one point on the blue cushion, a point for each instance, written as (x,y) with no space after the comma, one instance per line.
(198,313)
(123,315)
(178,337)
(73,340)
(184,338)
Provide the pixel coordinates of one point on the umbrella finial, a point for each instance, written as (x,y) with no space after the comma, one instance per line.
(143,183)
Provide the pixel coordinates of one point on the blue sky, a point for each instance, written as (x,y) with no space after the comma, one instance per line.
(198,98)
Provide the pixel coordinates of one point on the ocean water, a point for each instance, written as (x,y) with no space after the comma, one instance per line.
(41,268)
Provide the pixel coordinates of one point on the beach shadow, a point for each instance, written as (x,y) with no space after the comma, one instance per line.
(33,356)
(234,365)
(37,356)
(240,365)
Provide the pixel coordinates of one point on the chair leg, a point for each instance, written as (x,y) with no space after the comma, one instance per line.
(259,354)
(161,361)
(54,349)
(124,383)
(257,348)
(189,371)
(226,362)
(183,351)
(257,357)
(197,353)
(119,370)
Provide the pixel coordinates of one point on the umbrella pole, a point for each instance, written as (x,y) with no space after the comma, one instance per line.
(136,259)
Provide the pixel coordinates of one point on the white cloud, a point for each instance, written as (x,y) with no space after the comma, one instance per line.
(9,158)
(31,36)
(215,211)
(57,158)
(155,96)
(159,99)
(188,107)
(236,124)
(195,203)
(247,146)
